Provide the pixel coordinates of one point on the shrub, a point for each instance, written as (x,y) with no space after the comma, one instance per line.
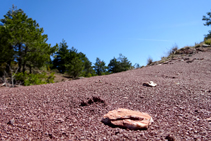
(149,61)
(35,79)
(197,45)
(173,49)
(89,75)
(208,41)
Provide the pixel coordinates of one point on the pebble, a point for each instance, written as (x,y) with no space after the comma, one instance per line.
(11,122)
(209,119)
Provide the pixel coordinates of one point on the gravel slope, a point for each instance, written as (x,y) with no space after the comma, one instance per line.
(179,105)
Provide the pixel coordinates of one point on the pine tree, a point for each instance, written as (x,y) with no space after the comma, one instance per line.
(119,65)
(61,57)
(208,23)
(100,67)
(26,39)
(88,70)
(75,65)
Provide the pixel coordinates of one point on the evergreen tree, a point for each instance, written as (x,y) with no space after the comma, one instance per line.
(75,65)
(124,63)
(70,61)
(208,22)
(61,57)
(25,40)
(119,65)
(114,66)
(6,52)
(100,67)
(88,70)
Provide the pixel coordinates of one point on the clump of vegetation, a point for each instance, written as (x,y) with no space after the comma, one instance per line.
(197,45)
(149,61)
(207,23)
(72,62)
(173,50)
(119,64)
(34,79)
(208,41)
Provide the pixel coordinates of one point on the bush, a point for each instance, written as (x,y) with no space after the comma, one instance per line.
(208,41)
(149,61)
(173,49)
(35,79)
(89,75)
(197,45)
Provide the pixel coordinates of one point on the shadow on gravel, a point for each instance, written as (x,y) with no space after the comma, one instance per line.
(114,126)
(92,100)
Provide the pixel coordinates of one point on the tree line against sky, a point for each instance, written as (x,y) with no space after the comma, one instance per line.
(23,45)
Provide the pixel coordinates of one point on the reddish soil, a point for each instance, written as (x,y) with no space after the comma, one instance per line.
(179,105)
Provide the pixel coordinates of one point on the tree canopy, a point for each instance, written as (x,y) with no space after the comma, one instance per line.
(61,57)
(70,61)
(119,65)
(99,67)
(207,20)
(24,41)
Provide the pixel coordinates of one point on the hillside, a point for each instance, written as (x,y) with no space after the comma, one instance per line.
(180,104)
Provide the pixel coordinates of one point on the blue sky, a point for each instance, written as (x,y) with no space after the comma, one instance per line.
(138,29)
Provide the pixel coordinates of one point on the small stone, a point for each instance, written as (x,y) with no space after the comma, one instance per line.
(11,122)
(209,119)
(150,84)
(60,120)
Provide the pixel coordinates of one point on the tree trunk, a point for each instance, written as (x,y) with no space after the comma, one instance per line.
(24,62)
(30,69)
(19,65)
(20,58)
(24,66)
(8,67)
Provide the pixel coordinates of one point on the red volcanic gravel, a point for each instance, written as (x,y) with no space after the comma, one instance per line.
(179,105)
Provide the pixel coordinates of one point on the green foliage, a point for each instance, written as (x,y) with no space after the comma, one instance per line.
(34,79)
(208,35)
(207,19)
(119,65)
(89,75)
(24,41)
(50,78)
(75,67)
(173,49)
(207,23)
(100,67)
(61,57)
(88,69)
(208,41)
(70,61)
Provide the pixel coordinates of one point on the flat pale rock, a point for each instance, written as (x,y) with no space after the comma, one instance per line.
(150,84)
(209,119)
(205,45)
(128,119)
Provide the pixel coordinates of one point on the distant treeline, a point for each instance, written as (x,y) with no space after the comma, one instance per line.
(24,49)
